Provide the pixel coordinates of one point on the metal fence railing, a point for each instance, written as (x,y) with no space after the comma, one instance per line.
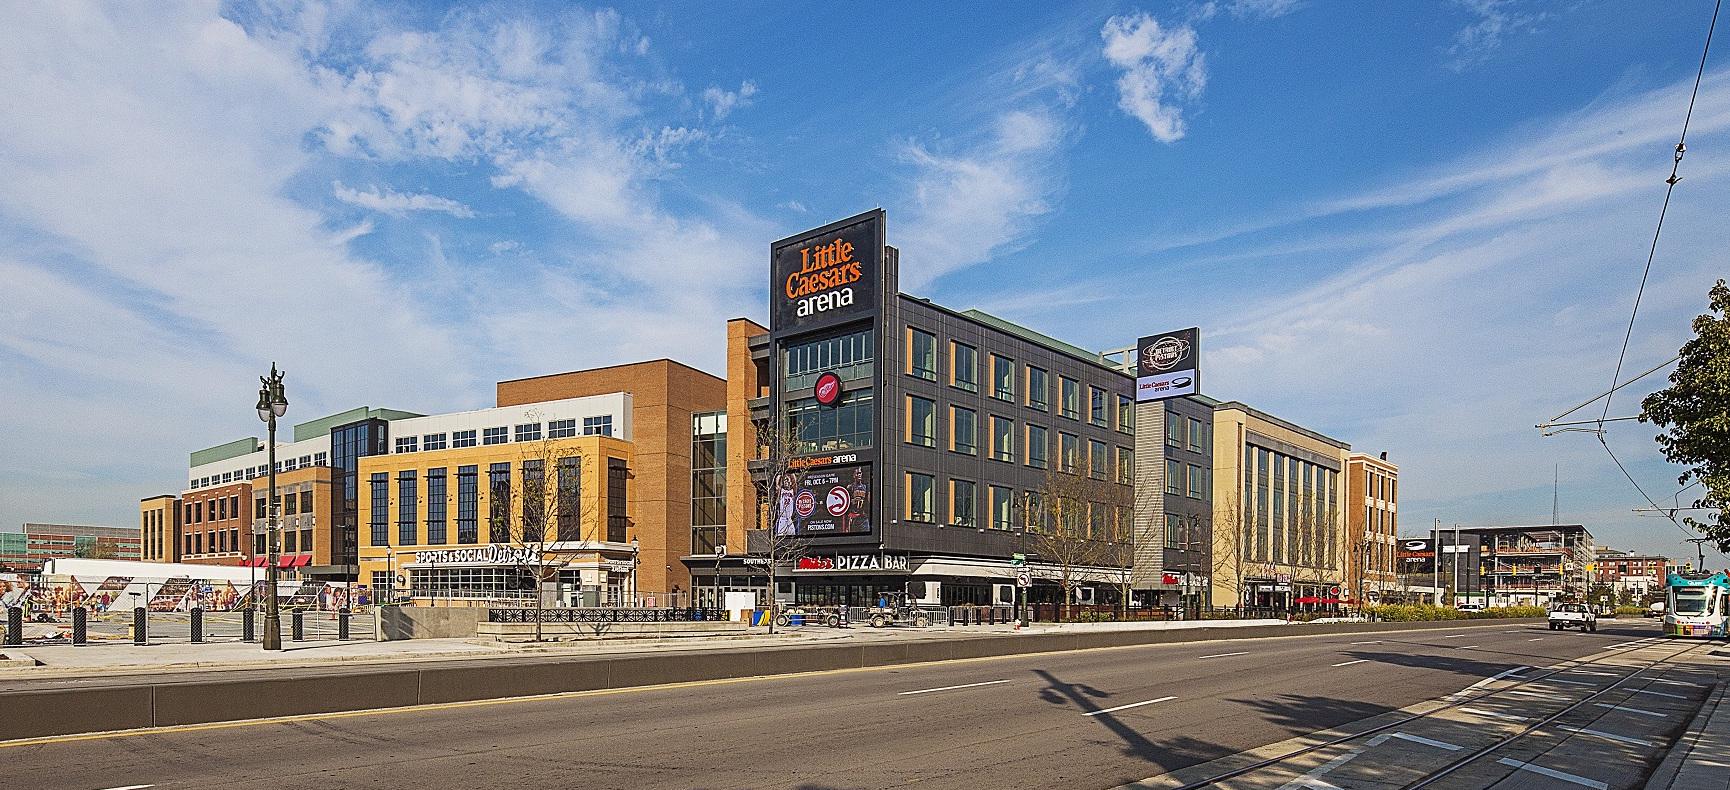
(605,614)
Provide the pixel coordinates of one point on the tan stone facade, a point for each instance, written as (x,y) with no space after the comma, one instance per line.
(664,395)
(159,529)
(308,517)
(1279,533)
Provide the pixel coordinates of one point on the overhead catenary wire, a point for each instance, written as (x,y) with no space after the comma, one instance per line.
(1669,189)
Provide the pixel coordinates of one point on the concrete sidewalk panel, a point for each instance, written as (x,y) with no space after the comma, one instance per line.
(34,714)
(197,703)
(463,684)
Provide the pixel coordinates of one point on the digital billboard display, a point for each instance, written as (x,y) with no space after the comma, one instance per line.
(830,500)
(826,276)
(1167,365)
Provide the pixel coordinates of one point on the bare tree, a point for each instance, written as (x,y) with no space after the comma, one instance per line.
(777,543)
(1071,528)
(548,514)
(1231,548)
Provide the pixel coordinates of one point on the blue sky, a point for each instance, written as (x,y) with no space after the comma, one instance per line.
(1414,226)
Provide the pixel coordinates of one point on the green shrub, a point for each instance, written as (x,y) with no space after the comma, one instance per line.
(1423,612)
(1629,611)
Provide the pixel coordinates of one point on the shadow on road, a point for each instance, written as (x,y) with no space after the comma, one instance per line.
(1167,755)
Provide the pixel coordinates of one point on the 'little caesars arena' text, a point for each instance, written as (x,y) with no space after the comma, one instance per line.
(824,272)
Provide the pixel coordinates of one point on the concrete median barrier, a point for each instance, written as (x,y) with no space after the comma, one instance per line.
(31,714)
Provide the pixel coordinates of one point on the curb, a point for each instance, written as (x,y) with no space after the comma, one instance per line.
(1670,768)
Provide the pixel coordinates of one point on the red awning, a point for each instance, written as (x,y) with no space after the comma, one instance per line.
(284,562)
(303,560)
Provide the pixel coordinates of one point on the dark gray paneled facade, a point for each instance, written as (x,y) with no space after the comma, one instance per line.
(898,457)
(1174,528)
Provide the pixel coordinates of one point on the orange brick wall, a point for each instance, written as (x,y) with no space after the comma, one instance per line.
(664,395)
(745,381)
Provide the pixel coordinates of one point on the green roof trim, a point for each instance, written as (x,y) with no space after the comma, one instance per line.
(312,429)
(223,452)
(1034,337)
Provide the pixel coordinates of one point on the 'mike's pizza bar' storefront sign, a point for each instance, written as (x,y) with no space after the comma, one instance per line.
(827,276)
(833,563)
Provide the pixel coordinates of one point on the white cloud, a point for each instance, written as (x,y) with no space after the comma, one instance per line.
(1253,10)
(972,204)
(398,204)
(723,102)
(502,247)
(157,261)
(1493,21)
(1162,68)
(793,206)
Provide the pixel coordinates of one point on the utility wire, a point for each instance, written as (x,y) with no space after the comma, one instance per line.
(1676,164)
(1669,514)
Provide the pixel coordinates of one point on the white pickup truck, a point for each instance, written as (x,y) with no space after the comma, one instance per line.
(1573,615)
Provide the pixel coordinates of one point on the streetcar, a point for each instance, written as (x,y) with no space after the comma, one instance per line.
(1697,605)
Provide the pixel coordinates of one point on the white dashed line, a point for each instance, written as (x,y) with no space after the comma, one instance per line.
(1590,672)
(950,688)
(1349,663)
(1569,682)
(1662,694)
(1609,736)
(1452,636)
(1539,639)
(1226,655)
(1625,709)
(1554,774)
(1677,683)
(1493,714)
(1377,642)
(1425,741)
(1130,705)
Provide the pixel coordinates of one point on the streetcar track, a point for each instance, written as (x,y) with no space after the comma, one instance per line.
(1457,700)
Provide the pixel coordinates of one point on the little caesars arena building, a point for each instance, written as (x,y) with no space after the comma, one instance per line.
(922,438)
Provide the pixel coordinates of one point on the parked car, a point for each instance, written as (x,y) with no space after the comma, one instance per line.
(1573,615)
(1656,609)
(1471,607)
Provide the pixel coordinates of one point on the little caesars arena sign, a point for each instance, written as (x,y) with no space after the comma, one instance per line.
(826,276)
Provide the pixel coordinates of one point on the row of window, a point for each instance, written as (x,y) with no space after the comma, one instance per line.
(255,472)
(526,432)
(1289,507)
(1380,486)
(1007,509)
(1001,439)
(1188,480)
(228,541)
(963,374)
(220,509)
(529,507)
(1186,432)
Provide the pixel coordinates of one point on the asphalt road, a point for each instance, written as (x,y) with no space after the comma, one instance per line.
(1088,719)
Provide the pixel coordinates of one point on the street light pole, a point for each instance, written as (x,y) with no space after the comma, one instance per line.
(271,405)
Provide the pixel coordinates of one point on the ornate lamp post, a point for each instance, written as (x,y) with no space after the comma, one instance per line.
(271,405)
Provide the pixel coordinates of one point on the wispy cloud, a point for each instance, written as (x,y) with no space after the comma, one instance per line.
(1161,69)
(398,204)
(723,102)
(1253,10)
(970,204)
(1492,22)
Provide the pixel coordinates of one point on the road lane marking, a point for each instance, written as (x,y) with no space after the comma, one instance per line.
(1225,655)
(130,787)
(1569,682)
(1625,709)
(1406,736)
(1555,774)
(1590,672)
(1528,693)
(1313,779)
(1539,639)
(1610,736)
(1492,714)
(1349,663)
(1377,642)
(1677,683)
(948,688)
(1130,705)
(1453,636)
(1662,694)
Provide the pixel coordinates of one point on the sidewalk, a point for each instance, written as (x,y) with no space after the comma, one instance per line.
(1700,759)
(104,659)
